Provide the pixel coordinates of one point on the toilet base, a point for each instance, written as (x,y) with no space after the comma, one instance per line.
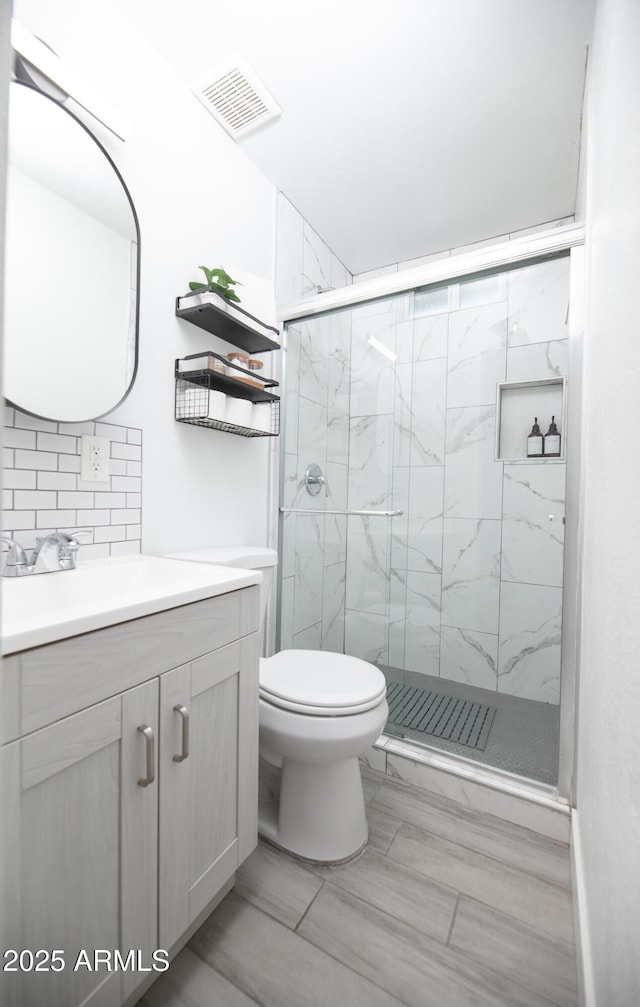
(320,814)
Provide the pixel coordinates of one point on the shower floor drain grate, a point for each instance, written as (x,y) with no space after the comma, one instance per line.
(448,717)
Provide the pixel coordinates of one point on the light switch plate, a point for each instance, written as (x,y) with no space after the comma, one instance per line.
(94,460)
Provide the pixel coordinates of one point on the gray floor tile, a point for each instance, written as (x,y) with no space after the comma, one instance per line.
(274,882)
(369,788)
(511,844)
(499,942)
(277,967)
(423,904)
(512,891)
(190,982)
(382,829)
(418,970)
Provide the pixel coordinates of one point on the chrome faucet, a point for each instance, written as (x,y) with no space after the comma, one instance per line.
(314,480)
(54,553)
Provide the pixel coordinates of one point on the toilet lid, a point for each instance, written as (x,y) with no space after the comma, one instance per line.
(320,683)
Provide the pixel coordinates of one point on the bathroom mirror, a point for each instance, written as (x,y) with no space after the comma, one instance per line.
(72,263)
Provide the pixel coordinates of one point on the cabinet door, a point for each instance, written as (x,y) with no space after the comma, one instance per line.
(208,788)
(81,852)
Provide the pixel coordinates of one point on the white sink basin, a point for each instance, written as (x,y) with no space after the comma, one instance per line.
(51,606)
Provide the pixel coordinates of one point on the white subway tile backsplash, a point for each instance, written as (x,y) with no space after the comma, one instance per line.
(56,480)
(16,520)
(76,500)
(110,533)
(112,432)
(133,452)
(14,438)
(126,516)
(126,484)
(35,500)
(44,491)
(26,422)
(19,479)
(57,442)
(69,463)
(93,517)
(35,460)
(56,519)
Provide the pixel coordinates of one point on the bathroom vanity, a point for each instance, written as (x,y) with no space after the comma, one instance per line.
(130,763)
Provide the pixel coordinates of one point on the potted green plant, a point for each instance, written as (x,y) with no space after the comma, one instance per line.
(219,281)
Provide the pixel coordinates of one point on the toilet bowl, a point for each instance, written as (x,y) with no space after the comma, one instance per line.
(318,713)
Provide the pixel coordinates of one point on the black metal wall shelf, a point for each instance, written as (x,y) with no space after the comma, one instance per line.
(227,383)
(214,314)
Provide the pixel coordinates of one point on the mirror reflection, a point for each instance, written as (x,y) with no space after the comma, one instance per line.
(71,267)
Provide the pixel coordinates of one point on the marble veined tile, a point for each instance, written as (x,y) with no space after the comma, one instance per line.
(309,638)
(333,607)
(370,462)
(286,613)
(422,636)
(537,361)
(404,341)
(315,336)
(339,364)
(289,244)
(372,372)
(402,415)
(424,534)
(312,445)
(530,634)
(428,409)
(470,657)
(368,563)
(309,568)
(366,635)
(473,479)
(316,260)
(477,354)
(397,616)
(532,543)
(337,436)
(290,479)
(471,574)
(288,546)
(430,336)
(539,302)
(400,523)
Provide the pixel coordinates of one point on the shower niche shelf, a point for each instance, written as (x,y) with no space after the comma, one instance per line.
(213,313)
(518,402)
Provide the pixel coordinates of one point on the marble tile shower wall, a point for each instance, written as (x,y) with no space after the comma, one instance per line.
(467,583)
(43,490)
(304,262)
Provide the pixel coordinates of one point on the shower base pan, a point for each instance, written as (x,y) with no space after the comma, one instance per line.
(434,713)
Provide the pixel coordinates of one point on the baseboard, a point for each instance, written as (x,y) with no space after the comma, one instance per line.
(586,986)
(534,806)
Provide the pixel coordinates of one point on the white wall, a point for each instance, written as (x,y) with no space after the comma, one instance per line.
(608,743)
(199,201)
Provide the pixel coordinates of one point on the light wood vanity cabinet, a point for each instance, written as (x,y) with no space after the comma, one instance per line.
(126,814)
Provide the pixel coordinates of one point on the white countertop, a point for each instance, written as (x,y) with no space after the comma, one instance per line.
(41,609)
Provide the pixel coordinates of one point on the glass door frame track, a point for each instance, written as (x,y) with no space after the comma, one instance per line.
(492,258)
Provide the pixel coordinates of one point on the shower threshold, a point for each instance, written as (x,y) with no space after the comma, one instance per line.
(524,738)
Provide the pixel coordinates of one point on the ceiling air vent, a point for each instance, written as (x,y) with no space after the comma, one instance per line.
(236,97)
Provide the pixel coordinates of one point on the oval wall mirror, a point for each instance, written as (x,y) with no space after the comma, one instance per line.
(72,264)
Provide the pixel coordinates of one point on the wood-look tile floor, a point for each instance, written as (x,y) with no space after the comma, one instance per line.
(446,907)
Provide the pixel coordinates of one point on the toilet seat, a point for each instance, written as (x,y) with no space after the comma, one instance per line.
(321,684)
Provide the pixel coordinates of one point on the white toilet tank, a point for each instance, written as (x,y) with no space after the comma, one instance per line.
(246,557)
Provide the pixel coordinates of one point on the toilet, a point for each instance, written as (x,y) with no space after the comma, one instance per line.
(318,712)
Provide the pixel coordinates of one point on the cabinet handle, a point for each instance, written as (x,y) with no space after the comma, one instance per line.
(184,714)
(147,731)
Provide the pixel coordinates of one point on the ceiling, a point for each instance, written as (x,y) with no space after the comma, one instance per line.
(406,127)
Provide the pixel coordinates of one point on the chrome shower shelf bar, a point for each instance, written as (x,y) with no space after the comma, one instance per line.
(348,513)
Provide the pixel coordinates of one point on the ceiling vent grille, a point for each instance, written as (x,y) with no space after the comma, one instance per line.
(235,97)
